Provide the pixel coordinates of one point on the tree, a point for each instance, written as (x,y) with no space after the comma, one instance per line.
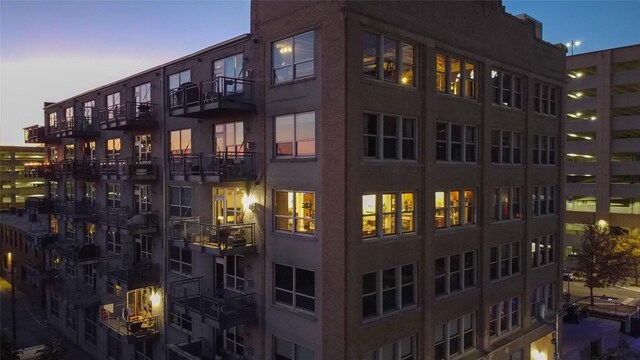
(8,348)
(53,349)
(600,259)
(631,243)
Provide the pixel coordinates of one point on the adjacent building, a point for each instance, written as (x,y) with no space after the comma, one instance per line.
(16,184)
(351,180)
(603,141)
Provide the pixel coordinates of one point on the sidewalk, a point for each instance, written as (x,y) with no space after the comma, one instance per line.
(576,337)
(31,323)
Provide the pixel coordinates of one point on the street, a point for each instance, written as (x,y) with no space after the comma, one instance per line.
(32,326)
(628,295)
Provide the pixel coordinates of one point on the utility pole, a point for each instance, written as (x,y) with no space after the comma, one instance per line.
(13,303)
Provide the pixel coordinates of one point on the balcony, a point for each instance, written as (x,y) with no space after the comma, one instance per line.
(75,292)
(87,254)
(84,169)
(139,275)
(222,313)
(123,218)
(34,134)
(77,127)
(192,350)
(217,240)
(39,204)
(129,169)
(77,210)
(213,167)
(35,170)
(130,116)
(135,328)
(210,97)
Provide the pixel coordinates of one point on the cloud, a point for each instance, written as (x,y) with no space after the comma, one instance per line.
(26,84)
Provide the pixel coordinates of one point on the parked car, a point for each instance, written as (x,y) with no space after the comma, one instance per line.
(567,275)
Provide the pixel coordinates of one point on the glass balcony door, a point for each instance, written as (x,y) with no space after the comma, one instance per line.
(227,206)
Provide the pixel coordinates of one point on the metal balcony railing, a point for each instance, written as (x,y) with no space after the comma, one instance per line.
(128,116)
(87,253)
(134,327)
(226,312)
(214,167)
(123,218)
(139,275)
(222,239)
(129,168)
(82,208)
(83,168)
(40,204)
(203,98)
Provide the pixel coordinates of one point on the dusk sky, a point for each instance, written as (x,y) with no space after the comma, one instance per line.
(52,50)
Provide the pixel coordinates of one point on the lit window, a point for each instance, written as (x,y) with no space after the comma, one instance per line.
(295,212)
(395,211)
(543,294)
(454,208)
(395,63)
(459,74)
(293,58)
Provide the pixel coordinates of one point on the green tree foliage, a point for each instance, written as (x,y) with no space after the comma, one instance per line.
(601,259)
(8,348)
(53,349)
(631,243)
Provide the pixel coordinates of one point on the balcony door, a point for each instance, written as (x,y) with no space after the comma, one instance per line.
(227,206)
(229,67)
(142,148)
(142,199)
(229,137)
(139,303)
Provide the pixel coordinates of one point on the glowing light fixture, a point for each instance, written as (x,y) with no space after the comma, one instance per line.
(155,298)
(593,118)
(249,202)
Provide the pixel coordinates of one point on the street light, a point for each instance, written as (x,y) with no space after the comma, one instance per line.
(572,44)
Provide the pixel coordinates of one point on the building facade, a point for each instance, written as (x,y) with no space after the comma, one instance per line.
(603,141)
(16,184)
(347,181)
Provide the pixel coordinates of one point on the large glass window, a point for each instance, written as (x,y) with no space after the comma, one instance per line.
(404,349)
(454,208)
(542,294)
(506,147)
(180,201)
(113,148)
(460,75)
(177,79)
(114,242)
(507,89)
(544,150)
(386,214)
(180,142)
(113,101)
(293,58)
(545,100)
(507,204)
(389,137)
(456,143)
(229,137)
(504,317)
(141,198)
(295,211)
(295,135)
(142,93)
(388,59)
(455,273)
(180,260)
(114,194)
(234,272)
(504,261)
(294,287)
(455,337)
(542,250)
(287,350)
(53,121)
(388,291)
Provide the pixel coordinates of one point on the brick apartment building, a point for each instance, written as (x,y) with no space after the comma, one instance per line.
(603,141)
(351,180)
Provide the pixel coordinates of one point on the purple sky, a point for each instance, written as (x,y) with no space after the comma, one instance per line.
(52,50)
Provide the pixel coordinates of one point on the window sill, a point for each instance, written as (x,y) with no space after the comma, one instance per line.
(547,165)
(504,278)
(457,163)
(294,81)
(297,236)
(377,318)
(457,228)
(371,161)
(301,313)
(507,108)
(447,296)
(294,159)
(180,329)
(501,222)
(469,99)
(181,274)
(391,238)
(550,116)
(506,164)
(543,216)
(389,84)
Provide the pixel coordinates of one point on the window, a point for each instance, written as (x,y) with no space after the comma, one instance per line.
(87,110)
(180,260)
(459,74)
(507,89)
(544,200)
(143,247)
(295,212)
(386,214)
(286,350)
(144,350)
(114,194)
(234,340)
(114,242)
(181,320)
(230,67)
(113,149)
(504,261)
(545,99)
(394,63)
(506,147)
(504,317)
(456,143)
(53,189)
(454,208)
(53,121)
(69,230)
(543,294)
(72,319)
(294,287)
(455,273)
(180,201)
(295,135)
(388,291)
(90,325)
(113,288)
(544,150)
(293,58)
(89,190)
(506,204)
(542,250)
(141,198)
(234,272)
(114,346)
(404,349)
(389,137)
(180,142)
(455,337)
(69,153)
(53,307)
(142,148)
(229,137)
(142,93)
(177,79)
(515,356)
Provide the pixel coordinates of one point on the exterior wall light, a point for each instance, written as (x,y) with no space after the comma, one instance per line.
(249,202)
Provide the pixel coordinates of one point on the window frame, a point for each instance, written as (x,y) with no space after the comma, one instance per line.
(294,140)
(402,123)
(447,337)
(463,143)
(545,99)
(543,195)
(180,265)
(401,304)
(542,294)
(544,150)
(543,251)
(294,291)
(398,214)
(182,209)
(292,345)
(397,349)
(113,195)
(293,63)
(399,60)
(512,260)
(515,137)
(462,207)
(514,90)
(114,241)
(504,309)
(465,79)
(310,220)
(512,192)
(461,273)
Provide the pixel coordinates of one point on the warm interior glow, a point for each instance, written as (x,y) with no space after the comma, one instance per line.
(248,201)
(155,298)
